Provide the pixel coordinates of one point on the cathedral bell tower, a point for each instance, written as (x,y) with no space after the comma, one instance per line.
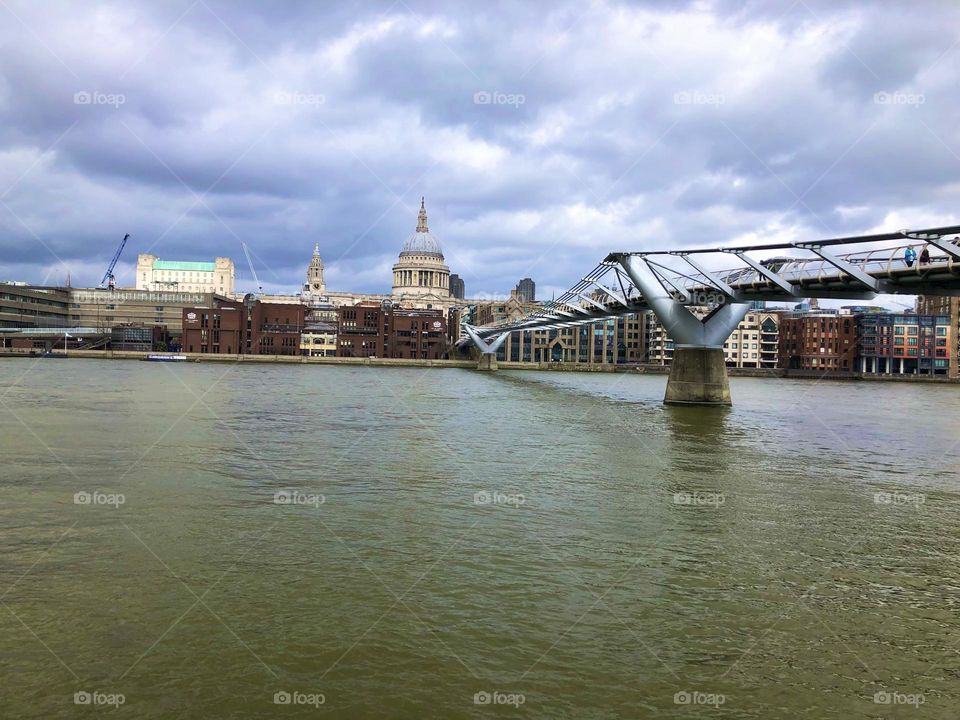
(314,282)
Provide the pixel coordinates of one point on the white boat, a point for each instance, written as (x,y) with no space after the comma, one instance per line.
(166,358)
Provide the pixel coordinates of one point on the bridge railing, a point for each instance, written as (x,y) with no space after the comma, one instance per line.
(885,262)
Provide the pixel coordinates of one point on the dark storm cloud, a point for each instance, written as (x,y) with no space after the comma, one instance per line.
(542,136)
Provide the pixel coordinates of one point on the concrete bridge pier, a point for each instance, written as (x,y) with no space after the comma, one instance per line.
(487,362)
(488,350)
(698,374)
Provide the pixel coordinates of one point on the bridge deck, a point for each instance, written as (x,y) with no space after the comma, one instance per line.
(880,267)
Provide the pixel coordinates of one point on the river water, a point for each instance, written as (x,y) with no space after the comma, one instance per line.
(219,541)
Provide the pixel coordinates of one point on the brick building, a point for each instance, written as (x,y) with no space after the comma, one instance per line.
(247,327)
(384,330)
(818,341)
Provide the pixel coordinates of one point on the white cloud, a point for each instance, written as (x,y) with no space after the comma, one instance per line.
(787,142)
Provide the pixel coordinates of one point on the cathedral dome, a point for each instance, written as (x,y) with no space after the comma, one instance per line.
(422,242)
(420,270)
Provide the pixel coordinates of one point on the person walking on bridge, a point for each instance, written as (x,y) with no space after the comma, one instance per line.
(910,256)
(925,255)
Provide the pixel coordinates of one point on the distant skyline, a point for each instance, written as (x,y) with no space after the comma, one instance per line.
(543,137)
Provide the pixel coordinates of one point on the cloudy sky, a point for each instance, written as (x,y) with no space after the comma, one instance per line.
(542,135)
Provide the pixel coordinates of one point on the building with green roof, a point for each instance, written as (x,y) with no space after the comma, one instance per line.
(185,275)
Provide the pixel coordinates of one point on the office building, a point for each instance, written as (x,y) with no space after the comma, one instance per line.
(457,288)
(527,290)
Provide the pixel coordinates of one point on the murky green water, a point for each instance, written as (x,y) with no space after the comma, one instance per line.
(622,559)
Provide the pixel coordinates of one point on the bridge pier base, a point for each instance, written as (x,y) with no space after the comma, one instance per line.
(698,376)
(488,350)
(487,362)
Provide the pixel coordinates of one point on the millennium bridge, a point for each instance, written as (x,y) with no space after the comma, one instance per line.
(669,282)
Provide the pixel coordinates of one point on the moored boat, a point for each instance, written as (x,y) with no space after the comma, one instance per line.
(166,358)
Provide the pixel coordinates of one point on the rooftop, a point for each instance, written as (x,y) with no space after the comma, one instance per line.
(184,265)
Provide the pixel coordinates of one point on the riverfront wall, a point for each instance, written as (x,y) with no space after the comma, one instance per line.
(472,365)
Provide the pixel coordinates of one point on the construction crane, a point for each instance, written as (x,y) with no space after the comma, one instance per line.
(252,271)
(108,276)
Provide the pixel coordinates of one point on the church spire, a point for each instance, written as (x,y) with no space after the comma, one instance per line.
(422,218)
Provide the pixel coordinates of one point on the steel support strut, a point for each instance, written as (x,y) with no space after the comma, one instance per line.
(698,374)
(488,350)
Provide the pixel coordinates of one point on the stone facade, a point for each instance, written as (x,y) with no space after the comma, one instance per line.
(319,339)
(314,286)
(420,271)
(421,280)
(185,276)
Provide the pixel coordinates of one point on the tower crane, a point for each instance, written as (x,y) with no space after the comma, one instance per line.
(108,279)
